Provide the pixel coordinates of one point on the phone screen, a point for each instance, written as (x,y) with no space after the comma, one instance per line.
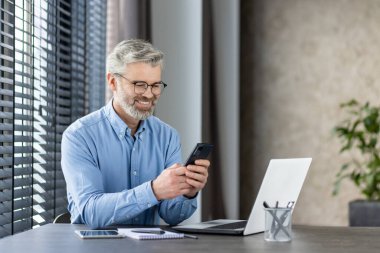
(98,234)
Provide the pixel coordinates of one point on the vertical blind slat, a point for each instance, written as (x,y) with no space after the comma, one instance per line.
(6,116)
(43,65)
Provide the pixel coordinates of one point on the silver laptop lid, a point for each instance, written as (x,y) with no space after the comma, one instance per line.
(282,182)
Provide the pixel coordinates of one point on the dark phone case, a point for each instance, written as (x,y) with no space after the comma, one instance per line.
(201,151)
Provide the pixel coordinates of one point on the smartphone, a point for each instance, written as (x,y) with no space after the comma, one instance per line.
(95,234)
(201,151)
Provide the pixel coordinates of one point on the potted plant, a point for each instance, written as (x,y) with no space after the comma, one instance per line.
(359,135)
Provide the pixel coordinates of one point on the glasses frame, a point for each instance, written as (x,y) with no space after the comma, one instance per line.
(146,85)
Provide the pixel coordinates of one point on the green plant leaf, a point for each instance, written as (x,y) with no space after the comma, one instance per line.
(374,163)
(350,103)
(355,177)
(370,179)
(372,143)
(337,184)
(371,121)
(370,186)
(360,131)
(360,137)
(345,148)
(343,168)
(341,131)
(377,179)
(355,125)
(367,193)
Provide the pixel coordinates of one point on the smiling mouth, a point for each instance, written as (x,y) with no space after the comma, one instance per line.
(144,104)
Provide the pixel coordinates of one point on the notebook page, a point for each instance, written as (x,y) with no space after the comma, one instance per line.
(147,236)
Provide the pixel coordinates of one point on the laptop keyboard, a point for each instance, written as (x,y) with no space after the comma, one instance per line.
(234,225)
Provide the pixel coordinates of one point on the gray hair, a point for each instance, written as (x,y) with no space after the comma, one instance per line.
(131,51)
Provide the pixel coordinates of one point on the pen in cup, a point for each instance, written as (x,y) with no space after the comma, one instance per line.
(278,222)
(274,221)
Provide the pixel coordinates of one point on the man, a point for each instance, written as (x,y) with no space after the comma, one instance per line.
(121,164)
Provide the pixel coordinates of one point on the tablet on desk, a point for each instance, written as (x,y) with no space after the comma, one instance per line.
(95,234)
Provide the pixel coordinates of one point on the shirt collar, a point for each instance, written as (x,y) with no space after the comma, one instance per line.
(119,126)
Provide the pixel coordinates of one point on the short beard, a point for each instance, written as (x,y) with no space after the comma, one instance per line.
(136,114)
(132,111)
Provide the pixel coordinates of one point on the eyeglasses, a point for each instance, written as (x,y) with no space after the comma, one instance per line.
(141,86)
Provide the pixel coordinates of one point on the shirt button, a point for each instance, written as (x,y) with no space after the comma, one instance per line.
(149,204)
(120,135)
(134,172)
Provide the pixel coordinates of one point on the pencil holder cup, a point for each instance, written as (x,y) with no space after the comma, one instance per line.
(278,224)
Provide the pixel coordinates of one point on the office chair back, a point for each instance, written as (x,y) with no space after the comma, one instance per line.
(63,218)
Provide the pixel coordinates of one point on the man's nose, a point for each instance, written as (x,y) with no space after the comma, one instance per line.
(148,92)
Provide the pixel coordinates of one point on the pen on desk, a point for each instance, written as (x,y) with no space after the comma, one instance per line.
(157,232)
(190,236)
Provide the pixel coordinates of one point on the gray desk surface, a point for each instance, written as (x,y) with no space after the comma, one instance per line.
(61,238)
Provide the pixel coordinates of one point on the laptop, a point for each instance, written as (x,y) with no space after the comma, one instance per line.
(282,182)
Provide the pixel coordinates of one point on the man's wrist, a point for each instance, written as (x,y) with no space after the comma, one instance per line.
(154,191)
(191,197)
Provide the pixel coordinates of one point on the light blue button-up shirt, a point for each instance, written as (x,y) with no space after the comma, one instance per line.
(108,172)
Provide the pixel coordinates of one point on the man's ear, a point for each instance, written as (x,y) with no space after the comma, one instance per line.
(111,80)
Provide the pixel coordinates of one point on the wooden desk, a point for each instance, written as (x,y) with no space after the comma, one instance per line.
(56,238)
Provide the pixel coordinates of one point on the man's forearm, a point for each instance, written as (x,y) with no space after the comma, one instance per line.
(101,210)
(176,210)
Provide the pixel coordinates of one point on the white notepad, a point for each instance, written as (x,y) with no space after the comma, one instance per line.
(146,236)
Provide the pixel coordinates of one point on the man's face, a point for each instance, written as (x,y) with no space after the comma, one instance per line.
(138,106)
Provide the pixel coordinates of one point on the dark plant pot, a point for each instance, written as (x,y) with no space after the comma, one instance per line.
(364,213)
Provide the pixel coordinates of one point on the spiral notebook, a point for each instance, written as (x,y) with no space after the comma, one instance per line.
(132,233)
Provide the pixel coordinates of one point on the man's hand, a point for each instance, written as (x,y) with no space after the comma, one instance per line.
(171,183)
(196,176)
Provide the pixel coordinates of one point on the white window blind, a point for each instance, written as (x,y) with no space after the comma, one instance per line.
(45,73)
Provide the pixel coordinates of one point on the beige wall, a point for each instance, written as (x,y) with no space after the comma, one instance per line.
(308,56)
